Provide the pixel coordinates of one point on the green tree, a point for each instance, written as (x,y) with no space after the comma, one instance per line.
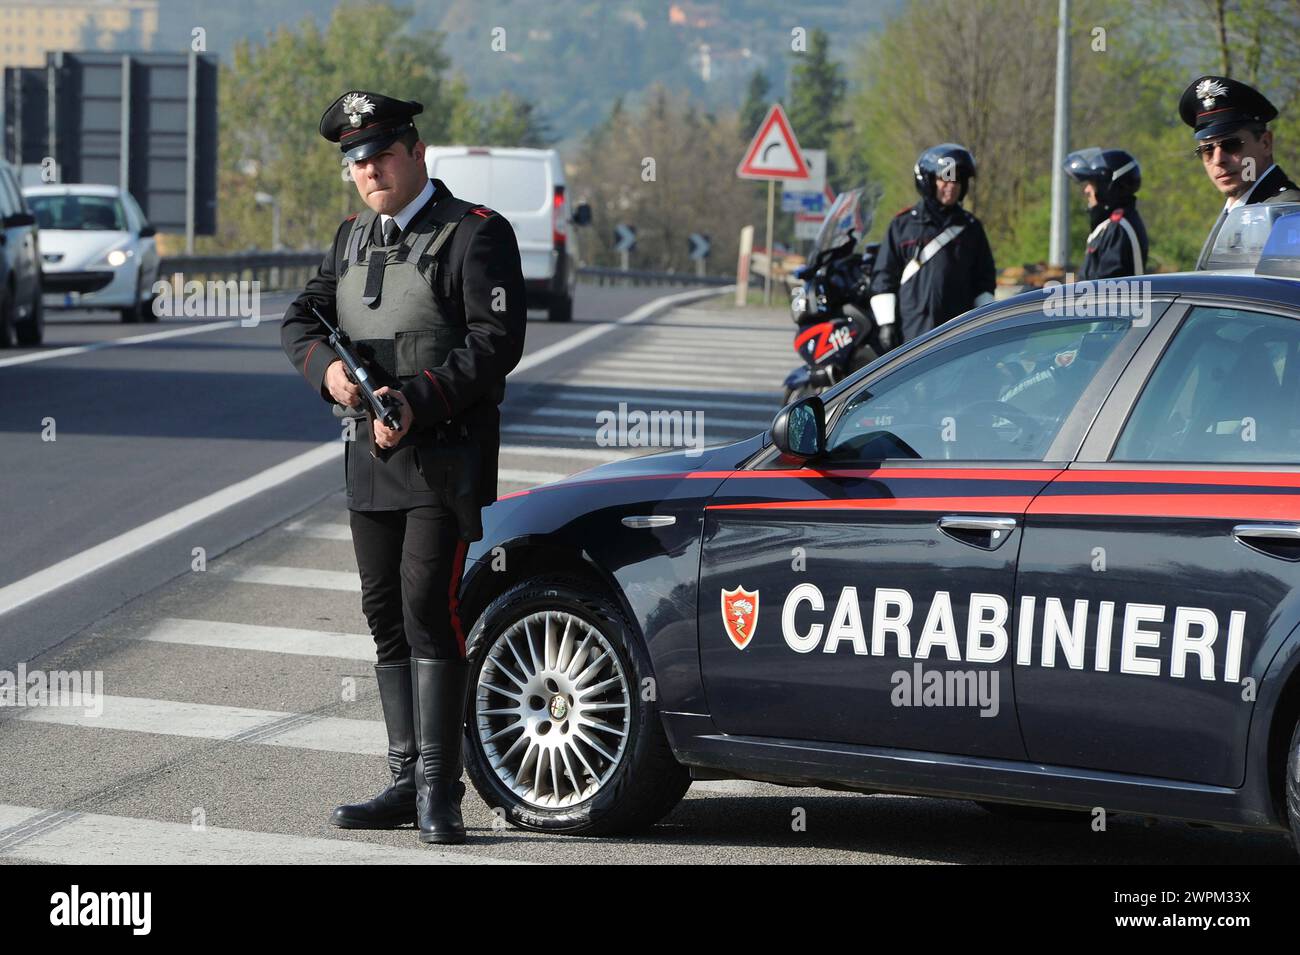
(816,93)
(669,170)
(757,102)
(273,93)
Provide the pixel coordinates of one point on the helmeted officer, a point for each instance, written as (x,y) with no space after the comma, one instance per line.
(429,289)
(1230,121)
(1117,244)
(935,261)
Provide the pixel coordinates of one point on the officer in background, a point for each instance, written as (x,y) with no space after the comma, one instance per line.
(1117,244)
(935,261)
(1230,121)
(429,289)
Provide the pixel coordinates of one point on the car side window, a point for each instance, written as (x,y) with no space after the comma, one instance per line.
(1226,390)
(999,396)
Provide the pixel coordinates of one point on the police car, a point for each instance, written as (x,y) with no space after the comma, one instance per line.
(1045,557)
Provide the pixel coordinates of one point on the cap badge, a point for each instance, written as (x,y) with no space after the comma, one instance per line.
(356,105)
(1206,91)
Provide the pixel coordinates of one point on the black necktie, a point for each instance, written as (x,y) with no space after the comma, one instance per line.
(375,266)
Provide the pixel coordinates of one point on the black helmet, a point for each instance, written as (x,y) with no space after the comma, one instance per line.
(1114,172)
(947,161)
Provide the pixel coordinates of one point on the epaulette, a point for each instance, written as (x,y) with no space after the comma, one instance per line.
(483,211)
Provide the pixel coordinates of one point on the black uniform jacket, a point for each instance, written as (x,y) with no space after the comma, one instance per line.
(1274,187)
(1110,255)
(487,285)
(946,285)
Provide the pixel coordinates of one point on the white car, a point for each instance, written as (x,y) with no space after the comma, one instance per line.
(527,187)
(98,251)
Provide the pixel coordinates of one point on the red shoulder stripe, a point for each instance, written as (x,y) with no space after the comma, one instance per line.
(1117,215)
(483,211)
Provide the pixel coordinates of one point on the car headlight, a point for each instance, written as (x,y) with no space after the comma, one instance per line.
(118,257)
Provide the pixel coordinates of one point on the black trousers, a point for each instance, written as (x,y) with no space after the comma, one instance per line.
(410,562)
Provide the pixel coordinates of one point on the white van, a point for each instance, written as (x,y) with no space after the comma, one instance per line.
(527,187)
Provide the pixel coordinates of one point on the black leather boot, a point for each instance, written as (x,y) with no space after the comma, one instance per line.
(395,806)
(438,690)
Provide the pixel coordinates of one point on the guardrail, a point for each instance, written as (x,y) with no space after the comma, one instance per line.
(291,270)
(273,270)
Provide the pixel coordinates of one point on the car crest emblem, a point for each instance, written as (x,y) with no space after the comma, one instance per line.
(355,105)
(740,615)
(1207,90)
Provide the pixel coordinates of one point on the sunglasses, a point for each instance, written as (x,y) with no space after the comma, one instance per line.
(1232,145)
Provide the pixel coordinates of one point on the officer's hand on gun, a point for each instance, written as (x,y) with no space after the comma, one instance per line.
(342,388)
(385,436)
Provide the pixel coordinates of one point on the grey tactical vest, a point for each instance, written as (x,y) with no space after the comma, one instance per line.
(395,302)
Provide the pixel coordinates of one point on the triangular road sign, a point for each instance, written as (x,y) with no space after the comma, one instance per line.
(774,152)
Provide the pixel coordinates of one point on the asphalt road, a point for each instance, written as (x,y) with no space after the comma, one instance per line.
(211,746)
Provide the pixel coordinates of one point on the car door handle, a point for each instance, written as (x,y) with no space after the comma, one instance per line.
(984,532)
(1275,540)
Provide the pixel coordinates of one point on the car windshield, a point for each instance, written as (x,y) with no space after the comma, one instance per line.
(847,213)
(80,213)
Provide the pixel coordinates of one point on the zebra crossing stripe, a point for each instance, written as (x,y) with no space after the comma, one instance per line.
(244,636)
(76,838)
(297,577)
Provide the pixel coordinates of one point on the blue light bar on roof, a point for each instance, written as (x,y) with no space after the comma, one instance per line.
(1281,253)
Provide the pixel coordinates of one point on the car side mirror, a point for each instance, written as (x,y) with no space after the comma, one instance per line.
(799,429)
(19,219)
(582,214)
(148,232)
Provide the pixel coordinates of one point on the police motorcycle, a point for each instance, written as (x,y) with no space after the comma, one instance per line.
(836,334)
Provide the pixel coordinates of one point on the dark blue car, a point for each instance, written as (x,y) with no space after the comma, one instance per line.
(1045,557)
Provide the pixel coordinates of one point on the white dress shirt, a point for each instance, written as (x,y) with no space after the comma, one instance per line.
(1233,203)
(410,209)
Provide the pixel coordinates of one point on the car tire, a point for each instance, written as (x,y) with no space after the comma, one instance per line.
(147,314)
(516,771)
(1017,813)
(7,317)
(32,332)
(1293,785)
(132,314)
(560,309)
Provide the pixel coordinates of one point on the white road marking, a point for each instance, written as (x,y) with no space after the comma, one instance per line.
(296,577)
(611,399)
(634,362)
(243,636)
(76,838)
(578,454)
(687,407)
(131,340)
(700,380)
(100,556)
(640,314)
(612,380)
(320,531)
(521,476)
(138,714)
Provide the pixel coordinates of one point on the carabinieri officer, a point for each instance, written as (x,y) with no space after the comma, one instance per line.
(429,289)
(1230,121)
